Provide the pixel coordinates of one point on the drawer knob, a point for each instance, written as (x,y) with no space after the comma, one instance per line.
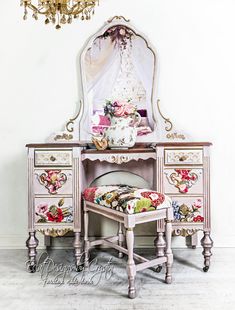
(52,158)
(183,158)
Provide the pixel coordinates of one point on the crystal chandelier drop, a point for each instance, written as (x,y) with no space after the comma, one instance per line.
(60,12)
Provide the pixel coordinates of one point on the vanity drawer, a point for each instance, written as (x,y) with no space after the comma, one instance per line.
(183,157)
(52,181)
(183,181)
(188,209)
(53,210)
(53,158)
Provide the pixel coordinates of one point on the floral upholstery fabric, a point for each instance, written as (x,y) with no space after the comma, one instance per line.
(126,198)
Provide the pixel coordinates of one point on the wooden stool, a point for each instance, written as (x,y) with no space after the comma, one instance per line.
(129,221)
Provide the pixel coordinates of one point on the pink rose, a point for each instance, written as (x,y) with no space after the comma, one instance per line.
(119,111)
(129,108)
(42,209)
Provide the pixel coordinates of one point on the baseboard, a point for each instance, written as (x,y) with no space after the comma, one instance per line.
(18,242)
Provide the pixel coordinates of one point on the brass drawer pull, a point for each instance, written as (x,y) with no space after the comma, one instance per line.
(52,158)
(183,158)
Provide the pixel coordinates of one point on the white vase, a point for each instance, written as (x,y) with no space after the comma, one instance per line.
(120,137)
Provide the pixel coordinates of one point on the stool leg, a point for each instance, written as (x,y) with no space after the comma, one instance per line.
(131,269)
(120,238)
(77,250)
(86,238)
(169,255)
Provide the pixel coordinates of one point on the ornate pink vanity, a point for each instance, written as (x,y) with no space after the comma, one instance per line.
(118,62)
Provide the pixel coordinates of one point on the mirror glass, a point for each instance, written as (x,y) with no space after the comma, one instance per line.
(119,67)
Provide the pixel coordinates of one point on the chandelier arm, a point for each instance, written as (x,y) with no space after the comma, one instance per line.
(80,10)
(32,7)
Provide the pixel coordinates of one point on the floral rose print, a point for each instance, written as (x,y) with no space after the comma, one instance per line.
(126,198)
(119,108)
(183,179)
(52,180)
(54,213)
(188,213)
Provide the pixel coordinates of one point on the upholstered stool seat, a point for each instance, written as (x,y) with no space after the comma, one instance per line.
(129,206)
(126,198)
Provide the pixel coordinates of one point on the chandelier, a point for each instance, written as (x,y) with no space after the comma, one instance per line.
(60,12)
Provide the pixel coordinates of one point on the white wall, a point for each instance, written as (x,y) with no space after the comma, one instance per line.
(38,92)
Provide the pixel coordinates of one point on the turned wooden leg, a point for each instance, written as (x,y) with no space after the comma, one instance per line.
(86,239)
(131,268)
(32,243)
(77,250)
(120,238)
(192,241)
(169,255)
(207,244)
(160,245)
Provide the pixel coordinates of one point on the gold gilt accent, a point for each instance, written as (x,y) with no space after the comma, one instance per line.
(100,144)
(54,232)
(167,120)
(71,122)
(64,136)
(118,17)
(175,135)
(184,232)
(119,159)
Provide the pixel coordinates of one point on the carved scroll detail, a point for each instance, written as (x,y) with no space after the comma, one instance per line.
(54,232)
(185,231)
(118,18)
(52,180)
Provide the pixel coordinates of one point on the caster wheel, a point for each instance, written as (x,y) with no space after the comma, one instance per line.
(206,268)
(158,269)
(132,294)
(79,268)
(120,255)
(32,268)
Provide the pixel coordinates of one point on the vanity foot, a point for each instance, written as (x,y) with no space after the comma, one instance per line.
(207,244)
(31,243)
(158,269)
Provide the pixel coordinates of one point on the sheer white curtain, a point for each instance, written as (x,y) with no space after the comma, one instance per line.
(143,61)
(102,64)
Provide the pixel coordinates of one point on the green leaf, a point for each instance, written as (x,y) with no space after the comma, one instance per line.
(61,202)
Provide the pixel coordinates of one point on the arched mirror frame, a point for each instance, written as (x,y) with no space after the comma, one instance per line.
(76,128)
(117,21)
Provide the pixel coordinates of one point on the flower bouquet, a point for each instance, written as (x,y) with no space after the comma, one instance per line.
(124,118)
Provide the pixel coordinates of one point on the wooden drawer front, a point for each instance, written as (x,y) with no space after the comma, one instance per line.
(183,181)
(53,210)
(183,157)
(188,209)
(53,158)
(52,181)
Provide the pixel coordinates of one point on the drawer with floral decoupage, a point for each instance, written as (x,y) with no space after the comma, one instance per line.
(53,181)
(188,209)
(183,180)
(53,210)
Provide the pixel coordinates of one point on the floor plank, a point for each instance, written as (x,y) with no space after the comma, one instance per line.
(191,287)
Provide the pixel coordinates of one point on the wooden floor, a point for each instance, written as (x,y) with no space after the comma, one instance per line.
(191,287)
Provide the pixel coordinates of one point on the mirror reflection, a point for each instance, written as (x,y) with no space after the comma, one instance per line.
(119,71)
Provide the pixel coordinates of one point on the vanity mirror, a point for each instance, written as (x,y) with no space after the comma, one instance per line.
(118,65)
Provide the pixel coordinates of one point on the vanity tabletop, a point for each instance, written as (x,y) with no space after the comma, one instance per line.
(135,149)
